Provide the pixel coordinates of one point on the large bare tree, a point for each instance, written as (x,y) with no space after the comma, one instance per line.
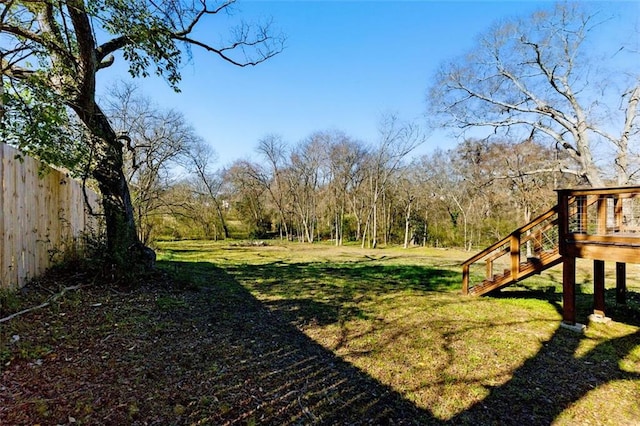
(345,157)
(274,150)
(249,198)
(59,47)
(306,177)
(540,76)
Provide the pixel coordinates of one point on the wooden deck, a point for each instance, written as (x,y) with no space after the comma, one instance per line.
(602,224)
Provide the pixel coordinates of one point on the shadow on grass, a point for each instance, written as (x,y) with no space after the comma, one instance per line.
(628,313)
(284,377)
(280,374)
(367,277)
(549,383)
(326,293)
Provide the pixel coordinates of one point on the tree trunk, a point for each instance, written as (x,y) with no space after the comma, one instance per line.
(125,252)
(407,220)
(225,229)
(341,224)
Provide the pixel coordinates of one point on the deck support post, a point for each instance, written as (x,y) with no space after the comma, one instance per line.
(569,290)
(465,279)
(598,288)
(621,283)
(514,248)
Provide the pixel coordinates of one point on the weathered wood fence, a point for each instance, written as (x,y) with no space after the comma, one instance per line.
(42,217)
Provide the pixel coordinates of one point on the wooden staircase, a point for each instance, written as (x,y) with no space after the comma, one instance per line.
(602,224)
(527,251)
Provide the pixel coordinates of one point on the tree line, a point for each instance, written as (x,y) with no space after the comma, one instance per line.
(330,186)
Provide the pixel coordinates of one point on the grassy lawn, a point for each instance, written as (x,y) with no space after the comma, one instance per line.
(295,334)
(397,316)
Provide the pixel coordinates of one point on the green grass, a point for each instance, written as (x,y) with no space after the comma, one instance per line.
(398,316)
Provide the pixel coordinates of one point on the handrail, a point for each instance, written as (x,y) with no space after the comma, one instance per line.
(506,239)
(632,191)
(536,221)
(532,236)
(512,246)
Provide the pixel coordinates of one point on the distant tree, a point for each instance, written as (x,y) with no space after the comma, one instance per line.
(306,177)
(527,172)
(156,141)
(454,192)
(397,139)
(346,158)
(540,76)
(205,181)
(54,51)
(248,195)
(274,151)
(407,189)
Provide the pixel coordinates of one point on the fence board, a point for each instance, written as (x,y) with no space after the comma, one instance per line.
(8,243)
(40,215)
(2,215)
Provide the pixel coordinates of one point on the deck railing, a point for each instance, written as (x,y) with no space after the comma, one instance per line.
(515,257)
(601,224)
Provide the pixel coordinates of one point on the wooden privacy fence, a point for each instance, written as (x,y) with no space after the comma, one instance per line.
(42,216)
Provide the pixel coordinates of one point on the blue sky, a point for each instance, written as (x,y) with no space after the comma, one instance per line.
(346,63)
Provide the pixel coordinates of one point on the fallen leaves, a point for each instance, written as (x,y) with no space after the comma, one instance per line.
(163,355)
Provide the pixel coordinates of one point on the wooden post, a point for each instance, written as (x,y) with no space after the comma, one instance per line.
(621,283)
(537,243)
(489,269)
(602,216)
(598,287)
(563,222)
(465,279)
(515,256)
(569,290)
(581,202)
(617,213)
